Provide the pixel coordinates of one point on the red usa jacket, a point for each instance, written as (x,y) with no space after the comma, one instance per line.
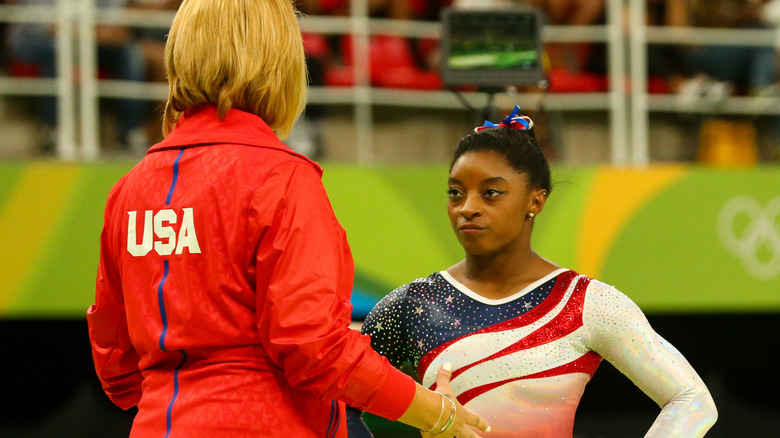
(222,302)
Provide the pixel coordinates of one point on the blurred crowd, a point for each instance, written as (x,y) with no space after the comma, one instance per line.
(411,63)
(571,67)
(123,53)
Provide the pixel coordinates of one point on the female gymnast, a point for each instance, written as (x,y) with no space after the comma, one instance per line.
(524,335)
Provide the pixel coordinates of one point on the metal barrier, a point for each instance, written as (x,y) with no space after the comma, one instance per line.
(61,16)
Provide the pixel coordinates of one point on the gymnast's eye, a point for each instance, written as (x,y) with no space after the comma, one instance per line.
(492,194)
(454,194)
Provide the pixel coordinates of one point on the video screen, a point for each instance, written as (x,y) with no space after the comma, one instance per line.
(496,47)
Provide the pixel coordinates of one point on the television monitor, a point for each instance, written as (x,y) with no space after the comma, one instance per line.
(492,48)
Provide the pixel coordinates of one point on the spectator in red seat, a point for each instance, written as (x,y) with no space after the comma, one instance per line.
(571,56)
(394,60)
(670,64)
(570,64)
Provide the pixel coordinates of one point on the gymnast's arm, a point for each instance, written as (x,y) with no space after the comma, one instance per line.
(619,331)
(384,324)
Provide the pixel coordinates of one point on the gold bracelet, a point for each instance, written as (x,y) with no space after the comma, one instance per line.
(441,412)
(450,421)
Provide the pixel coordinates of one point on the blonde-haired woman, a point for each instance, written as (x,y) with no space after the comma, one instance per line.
(222,303)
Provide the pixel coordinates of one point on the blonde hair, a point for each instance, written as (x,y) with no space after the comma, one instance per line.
(243,54)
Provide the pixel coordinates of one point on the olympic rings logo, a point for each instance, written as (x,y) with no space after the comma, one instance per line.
(751,243)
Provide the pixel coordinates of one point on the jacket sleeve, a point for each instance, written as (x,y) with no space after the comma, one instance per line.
(116,361)
(619,331)
(304,282)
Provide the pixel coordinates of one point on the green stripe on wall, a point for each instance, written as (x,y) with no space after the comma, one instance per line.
(667,257)
(390,238)
(670,257)
(62,282)
(9,177)
(30,214)
(425,190)
(556,230)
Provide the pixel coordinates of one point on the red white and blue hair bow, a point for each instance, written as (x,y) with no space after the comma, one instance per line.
(513,121)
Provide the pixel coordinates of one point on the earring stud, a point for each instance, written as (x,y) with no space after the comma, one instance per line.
(531,216)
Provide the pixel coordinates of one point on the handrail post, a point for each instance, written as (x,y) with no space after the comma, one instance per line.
(90,118)
(639,107)
(66,117)
(617,83)
(364,123)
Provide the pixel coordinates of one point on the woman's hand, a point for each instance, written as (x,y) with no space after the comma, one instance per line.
(464,419)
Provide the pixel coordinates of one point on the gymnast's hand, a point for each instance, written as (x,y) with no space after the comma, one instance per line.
(464,420)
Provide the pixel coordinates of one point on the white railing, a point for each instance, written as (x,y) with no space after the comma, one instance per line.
(61,86)
(628,135)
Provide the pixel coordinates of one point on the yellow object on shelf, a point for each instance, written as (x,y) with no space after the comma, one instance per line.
(728,143)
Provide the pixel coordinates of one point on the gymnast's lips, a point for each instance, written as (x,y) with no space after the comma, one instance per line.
(470,229)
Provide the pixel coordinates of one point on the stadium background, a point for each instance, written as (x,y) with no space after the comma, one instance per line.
(661,234)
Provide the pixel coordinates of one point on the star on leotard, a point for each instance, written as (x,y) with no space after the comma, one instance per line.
(449,299)
(419,310)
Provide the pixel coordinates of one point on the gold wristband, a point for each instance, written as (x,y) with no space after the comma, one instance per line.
(450,420)
(441,412)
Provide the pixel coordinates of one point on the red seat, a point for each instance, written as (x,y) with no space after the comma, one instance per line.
(391,65)
(408,78)
(427,47)
(562,81)
(391,51)
(339,76)
(657,85)
(316,45)
(23,69)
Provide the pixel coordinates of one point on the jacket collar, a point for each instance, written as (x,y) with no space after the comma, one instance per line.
(202,127)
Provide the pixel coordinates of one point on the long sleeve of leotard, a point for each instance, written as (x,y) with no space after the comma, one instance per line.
(619,331)
(388,338)
(385,325)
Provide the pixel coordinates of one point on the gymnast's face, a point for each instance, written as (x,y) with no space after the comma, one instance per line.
(488,203)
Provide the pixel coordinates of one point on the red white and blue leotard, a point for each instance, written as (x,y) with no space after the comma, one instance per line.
(522,362)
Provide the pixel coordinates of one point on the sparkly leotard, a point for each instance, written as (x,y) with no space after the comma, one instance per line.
(522,362)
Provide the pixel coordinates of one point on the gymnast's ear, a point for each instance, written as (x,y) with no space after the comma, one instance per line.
(536,203)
